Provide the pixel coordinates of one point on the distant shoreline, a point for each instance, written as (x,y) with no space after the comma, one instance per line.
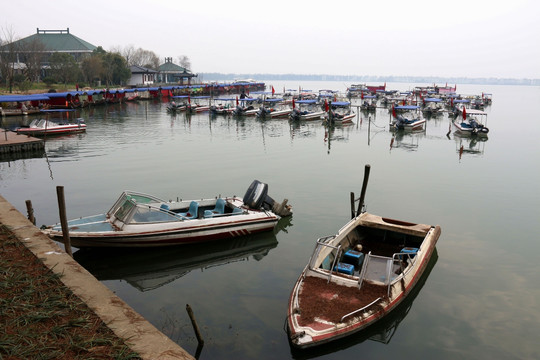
(370,78)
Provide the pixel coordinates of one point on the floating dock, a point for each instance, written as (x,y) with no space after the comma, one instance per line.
(11,143)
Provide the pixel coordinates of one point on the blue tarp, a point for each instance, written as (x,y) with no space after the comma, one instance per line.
(306,101)
(23,98)
(57,110)
(406,107)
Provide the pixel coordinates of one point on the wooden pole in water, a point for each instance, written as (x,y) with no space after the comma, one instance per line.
(194,323)
(63,219)
(367,168)
(30,212)
(352,205)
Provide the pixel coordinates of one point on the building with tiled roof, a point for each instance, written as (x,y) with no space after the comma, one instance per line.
(53,41)
(169,72)
(141,76)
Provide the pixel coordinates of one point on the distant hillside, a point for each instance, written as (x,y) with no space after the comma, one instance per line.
(370,78)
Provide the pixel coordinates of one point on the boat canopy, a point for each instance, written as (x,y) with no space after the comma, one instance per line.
(341,103)
(406,107)
(62,94)
(432,100)
(56,110)
(306,101)
(226,99)
(462,101)
(475,112)
(23,98)
(273,100)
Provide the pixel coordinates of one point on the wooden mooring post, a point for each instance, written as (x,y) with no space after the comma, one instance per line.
(63,219)
(30,212)
(367,168)
(195,326)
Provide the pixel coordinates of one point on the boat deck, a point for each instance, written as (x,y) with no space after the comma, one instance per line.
(329,301)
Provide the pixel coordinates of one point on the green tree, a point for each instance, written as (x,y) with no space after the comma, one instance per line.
(64,67)
(92,68)
(115,69)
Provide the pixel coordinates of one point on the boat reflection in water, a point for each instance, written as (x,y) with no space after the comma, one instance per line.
(382,331)
(148,269)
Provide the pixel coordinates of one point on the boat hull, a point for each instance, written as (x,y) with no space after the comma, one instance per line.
(74,129)
(139,220)
(190,233)
(305,331)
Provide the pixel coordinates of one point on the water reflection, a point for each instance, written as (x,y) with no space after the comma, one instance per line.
(469,145)
(149,269)
(381,332)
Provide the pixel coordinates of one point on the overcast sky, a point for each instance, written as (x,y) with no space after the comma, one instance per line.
(469,38)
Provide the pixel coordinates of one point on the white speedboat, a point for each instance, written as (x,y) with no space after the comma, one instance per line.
(45,127)
(141,220)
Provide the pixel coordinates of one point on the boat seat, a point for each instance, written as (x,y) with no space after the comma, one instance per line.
(165,207)
(192,212)
(237,211)
(220,207)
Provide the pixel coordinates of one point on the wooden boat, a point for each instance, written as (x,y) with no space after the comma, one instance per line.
(473,123)
(141,220)
(357,277)
(45,127)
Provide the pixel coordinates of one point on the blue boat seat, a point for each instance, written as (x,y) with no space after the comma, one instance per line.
(220,207)
(192,212)
(165,207)
(237,211)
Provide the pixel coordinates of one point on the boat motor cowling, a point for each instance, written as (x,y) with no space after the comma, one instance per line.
(256,194)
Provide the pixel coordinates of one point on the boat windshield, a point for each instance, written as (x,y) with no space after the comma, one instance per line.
(128,200)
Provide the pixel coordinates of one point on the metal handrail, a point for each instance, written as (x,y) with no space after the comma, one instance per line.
(363,271)
(361,309)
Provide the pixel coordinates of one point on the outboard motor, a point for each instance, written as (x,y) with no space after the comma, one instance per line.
(256,195)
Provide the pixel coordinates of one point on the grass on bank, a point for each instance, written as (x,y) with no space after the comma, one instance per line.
(40,318)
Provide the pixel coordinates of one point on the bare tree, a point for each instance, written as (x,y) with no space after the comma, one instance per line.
(128,53)
(33,54)
(8,56)
(184,62)
(145,58)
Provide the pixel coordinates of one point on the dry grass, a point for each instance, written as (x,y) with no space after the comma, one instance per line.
(42,319)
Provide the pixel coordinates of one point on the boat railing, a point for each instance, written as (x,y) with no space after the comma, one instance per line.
(363,270)
(321,243)
(402,259)
(360,310)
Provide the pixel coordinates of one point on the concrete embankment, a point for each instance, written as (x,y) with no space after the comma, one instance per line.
(125,322)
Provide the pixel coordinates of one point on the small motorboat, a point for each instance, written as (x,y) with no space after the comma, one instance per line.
(46,127)
(357,276)
(409,118)
(141,220)
(307,110)
(340,113)
(473,123)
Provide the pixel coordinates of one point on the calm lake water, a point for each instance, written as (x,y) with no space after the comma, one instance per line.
(479,301)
